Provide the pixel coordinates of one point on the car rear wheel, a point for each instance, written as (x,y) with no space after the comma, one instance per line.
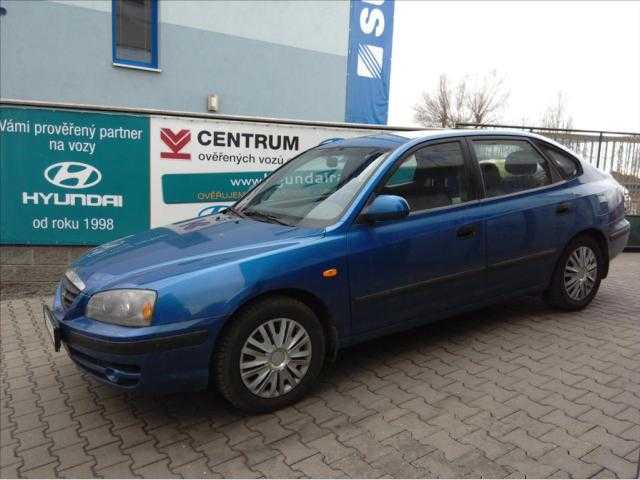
(577,276)
(270,356)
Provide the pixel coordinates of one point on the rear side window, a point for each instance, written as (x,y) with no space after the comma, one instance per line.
(567,164)
(510,166)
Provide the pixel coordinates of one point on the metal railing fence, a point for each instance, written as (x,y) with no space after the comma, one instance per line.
(617,153)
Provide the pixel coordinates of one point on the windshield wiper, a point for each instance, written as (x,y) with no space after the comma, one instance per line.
(236,212)
(265,216)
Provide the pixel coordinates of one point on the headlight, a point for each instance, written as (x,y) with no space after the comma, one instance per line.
(131,308)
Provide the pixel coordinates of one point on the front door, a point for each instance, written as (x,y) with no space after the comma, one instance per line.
(429,262)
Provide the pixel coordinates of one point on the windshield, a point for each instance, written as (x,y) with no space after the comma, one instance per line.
(313,189)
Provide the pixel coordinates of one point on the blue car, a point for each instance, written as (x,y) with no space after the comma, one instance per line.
(350,240)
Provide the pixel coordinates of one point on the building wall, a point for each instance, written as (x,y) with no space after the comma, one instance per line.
(262,58)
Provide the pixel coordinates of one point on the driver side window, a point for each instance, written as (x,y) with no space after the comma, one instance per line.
(431,177)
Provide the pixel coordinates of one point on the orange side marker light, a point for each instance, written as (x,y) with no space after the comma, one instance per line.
(330,273)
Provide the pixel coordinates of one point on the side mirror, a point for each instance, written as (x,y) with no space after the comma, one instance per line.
(386,207)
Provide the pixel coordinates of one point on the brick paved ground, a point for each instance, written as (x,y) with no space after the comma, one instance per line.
(509,391)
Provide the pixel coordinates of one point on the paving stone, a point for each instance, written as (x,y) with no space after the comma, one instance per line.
(438,466)
(524,465)
(497,409)
(276,467)
(293,450)
(599,436)
(378,426)
(255,450)
(71,456)
(180,453)
(417,427)
(452,406)
(531,446)
(330,449)
(560,458)
(272,430)
(343,428)
(452,449)
(479,397)
(395,465)
(157,469)
(10,471)
(533,427)
(31,438)
(456,428)
(119,470)
(534,409)
(602,390)
(196,469)
(610,424)
(235,468)
(308,430)
(36,457)
(475,461)
(108,455)
(574,446)
(8,455)
(218,451)
(409,448)
(603,456)
(315,467)
(491,447)
(368,446)
(44,471)
(572,425)
(94,438)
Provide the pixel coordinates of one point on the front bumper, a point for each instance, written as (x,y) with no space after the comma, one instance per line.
(176,358)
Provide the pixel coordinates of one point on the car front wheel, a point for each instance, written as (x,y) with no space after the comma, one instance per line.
(270,356)
(577,275)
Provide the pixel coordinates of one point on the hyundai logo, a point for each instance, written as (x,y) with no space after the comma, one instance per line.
(74,175)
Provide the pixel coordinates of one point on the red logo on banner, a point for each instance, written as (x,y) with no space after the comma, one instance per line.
(175,142)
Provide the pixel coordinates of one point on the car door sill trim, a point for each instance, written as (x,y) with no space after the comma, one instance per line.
(419,285)
(525,258)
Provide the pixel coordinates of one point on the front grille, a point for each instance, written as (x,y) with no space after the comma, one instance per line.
(68,291)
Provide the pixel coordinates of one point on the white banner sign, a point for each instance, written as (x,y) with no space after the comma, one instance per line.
(199,166)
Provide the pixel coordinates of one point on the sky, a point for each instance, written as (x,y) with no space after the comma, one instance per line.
(588,50)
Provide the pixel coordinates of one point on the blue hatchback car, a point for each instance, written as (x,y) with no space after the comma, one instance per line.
(350,240)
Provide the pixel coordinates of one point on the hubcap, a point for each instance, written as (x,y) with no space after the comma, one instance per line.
(580,273)
(275,358)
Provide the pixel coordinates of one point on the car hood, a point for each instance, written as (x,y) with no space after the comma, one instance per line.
(193,244)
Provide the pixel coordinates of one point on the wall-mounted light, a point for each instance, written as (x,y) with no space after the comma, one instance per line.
(212,103)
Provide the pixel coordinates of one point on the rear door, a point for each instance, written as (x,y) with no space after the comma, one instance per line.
(527,213)
(429,262)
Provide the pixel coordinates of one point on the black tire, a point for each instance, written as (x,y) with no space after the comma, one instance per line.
(227,356)
(556,295)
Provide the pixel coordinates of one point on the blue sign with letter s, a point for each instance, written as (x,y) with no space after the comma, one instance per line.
(369,61)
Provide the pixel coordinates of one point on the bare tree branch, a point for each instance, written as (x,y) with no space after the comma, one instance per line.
(462,101)
(556,116)
(487,98)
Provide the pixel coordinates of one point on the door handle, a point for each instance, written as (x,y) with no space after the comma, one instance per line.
(467,231)
(563,208)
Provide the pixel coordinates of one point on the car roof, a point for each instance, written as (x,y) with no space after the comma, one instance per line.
(393,139)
